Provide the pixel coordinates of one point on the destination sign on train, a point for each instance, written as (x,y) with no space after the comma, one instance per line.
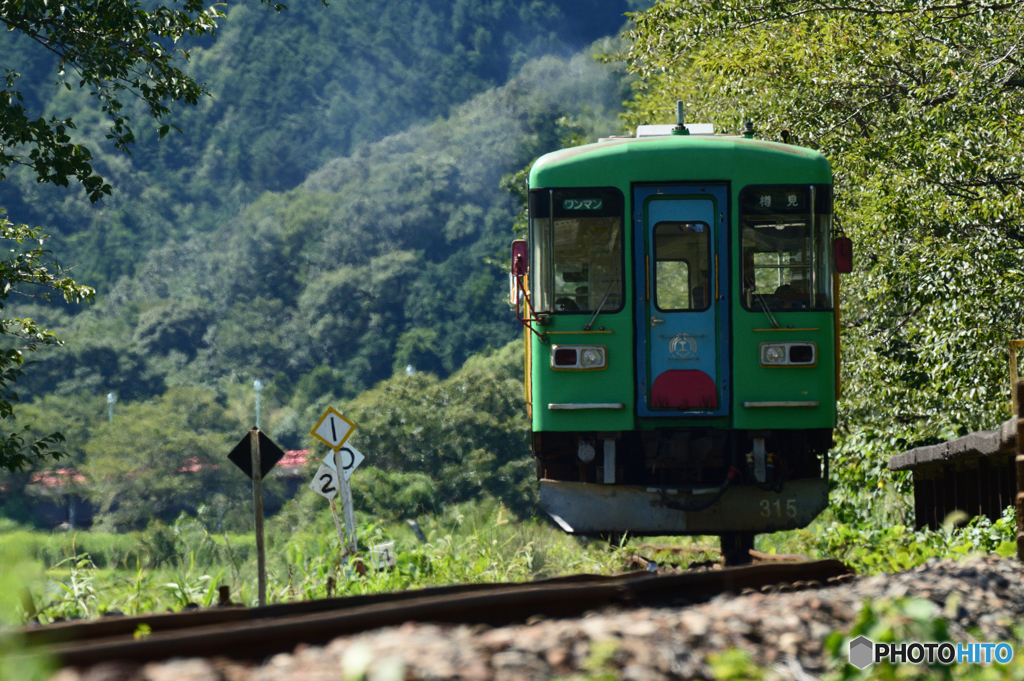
(760,200)
(582,204)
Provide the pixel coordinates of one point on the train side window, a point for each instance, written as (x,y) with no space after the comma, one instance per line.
(682,264)
(786,240)
(576,262)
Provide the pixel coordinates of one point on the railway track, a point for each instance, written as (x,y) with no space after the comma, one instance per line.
(255,633)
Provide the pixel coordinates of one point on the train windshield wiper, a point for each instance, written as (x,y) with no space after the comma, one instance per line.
(764,305)
(590,322)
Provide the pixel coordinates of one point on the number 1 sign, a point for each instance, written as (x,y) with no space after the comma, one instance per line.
(333,429)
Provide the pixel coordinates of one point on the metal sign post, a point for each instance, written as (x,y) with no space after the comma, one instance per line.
(1019,394)
(257,509)
(346,503)
(256,455)
(337,526)
(325,483)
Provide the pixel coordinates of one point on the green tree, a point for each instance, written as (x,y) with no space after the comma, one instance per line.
(159,458)
(113,49)
(466,435)
(919,107)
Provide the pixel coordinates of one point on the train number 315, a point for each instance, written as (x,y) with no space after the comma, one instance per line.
(775,509)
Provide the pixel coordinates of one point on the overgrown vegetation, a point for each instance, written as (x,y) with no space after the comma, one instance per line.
(383,259)
(170,566)
(25,271)
(326,213)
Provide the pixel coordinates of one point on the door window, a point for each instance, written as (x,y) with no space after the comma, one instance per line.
(682,264)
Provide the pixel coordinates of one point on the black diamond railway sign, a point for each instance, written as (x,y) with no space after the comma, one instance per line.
(270,454)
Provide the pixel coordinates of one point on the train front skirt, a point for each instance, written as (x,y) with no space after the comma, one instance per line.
(589,509)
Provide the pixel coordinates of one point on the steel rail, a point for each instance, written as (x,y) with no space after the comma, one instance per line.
(256,633)
(118,625)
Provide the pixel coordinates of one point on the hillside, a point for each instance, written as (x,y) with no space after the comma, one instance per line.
(288,93)
(332,215)
(380,259)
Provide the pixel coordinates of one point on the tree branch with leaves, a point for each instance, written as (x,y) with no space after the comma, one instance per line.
(917,107)
(112,48)
(24,272)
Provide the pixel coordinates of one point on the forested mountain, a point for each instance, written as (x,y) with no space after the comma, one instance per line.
(289,92)
(378,260)
(331,215)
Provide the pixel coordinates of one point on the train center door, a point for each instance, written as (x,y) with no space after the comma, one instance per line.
(682,312)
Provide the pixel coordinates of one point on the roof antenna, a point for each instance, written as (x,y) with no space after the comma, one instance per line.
(680,128)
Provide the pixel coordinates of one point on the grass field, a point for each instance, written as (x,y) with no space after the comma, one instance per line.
(84,574)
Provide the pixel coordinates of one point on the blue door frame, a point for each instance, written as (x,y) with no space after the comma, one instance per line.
(691,340)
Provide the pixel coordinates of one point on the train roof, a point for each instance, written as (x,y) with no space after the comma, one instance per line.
(680,158)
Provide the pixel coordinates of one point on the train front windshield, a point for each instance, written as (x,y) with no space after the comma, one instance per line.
(576,239)
(787,247)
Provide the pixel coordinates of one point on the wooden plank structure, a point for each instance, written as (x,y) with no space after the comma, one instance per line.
(979,474)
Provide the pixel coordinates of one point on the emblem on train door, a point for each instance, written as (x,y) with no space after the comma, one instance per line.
(682,346)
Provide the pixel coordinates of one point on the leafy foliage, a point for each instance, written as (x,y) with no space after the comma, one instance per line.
(453,441)
(376,262)
(879,545)
(115,49)
(158,458)
(468,543)
(286,97)
(24,272)
(917,107)
(430,443)
(895,548)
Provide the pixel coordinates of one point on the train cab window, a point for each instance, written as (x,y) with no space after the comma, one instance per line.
(787,250)
(682,254)
(576,242)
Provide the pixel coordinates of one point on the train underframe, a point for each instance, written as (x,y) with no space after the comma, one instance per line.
(684,481)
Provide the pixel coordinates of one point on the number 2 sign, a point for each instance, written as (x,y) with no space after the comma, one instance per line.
(325,482)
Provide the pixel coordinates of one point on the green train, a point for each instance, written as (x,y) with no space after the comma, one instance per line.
(679,292)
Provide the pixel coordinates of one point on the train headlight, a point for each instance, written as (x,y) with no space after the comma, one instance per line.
(579,357)
(591,358)
(773,354)
(789,354)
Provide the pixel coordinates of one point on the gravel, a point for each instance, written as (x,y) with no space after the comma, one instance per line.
(782,632)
